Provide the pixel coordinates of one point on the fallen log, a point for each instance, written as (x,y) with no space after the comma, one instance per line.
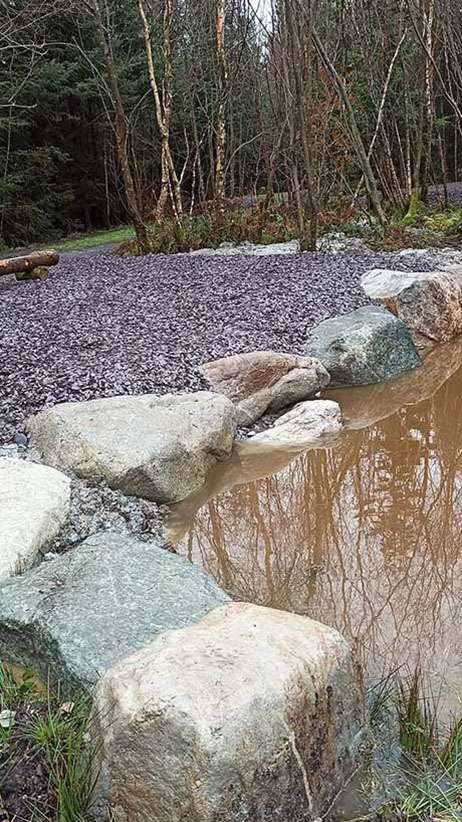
(17,265)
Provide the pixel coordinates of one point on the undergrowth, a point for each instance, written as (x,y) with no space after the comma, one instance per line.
(279,224)
(210,230)
(416,225)
(417,771)
(45,766)
(443,222)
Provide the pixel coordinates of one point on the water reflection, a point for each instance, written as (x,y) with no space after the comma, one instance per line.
(365,536)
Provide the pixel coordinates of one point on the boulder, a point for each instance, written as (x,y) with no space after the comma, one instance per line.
(74,616)
(364,347)
(250,715)
(316,422)
(156,447)
(429,303)
(265,381)
(364,406)
(34,505)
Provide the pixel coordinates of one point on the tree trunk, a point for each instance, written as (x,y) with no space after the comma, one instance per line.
(121,133)
(429,97)
(358,144)
(18,265)
(301,68)
(221,112)
(163,111)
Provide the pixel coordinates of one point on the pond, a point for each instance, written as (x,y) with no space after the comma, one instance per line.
(364,534)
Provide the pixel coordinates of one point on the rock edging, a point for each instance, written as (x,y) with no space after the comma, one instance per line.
(249,714)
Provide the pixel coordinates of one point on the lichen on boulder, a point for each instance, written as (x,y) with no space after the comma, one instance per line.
(363,347)
(76,615)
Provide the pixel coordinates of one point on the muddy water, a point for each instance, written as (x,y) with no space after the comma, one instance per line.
(364,535)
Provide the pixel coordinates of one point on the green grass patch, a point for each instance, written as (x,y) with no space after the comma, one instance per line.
(59,735)
(45,760)
(116,235)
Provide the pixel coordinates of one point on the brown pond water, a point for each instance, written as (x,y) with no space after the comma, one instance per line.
(364,535)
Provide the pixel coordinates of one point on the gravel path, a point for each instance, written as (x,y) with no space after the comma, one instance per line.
(436,193)
(101,326)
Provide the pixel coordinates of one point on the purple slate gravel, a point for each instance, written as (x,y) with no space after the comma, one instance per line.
(436,194)
(102,326)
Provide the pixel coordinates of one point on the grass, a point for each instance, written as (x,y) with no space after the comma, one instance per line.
(417,770)
(12,694)
(60,736)
(415,776)
(122,234)
(44,729)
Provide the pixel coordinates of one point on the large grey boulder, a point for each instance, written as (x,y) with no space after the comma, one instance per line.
(264,381)
(365,405)
(34,505)
(156,447)
(250,715)
(363,347)
(73,617)
(429,303)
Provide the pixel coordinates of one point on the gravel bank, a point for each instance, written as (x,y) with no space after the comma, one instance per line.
(95,508)
(102,326)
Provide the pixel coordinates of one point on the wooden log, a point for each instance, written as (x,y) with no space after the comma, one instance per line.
(16,265)
(39,273)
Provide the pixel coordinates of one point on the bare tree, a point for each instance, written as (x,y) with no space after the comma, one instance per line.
(220,129)
(163,105)
(100,8)
(357,141)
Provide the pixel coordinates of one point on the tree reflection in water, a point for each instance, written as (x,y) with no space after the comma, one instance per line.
(365,536)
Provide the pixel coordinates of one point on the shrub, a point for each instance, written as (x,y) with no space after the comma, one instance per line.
(445,222)
(278,225)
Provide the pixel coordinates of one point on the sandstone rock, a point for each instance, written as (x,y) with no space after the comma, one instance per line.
(265,381)
(429,303)
(75,616)
(34,505)
(252,714)
(316,422)
(157,447)
(366,346)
